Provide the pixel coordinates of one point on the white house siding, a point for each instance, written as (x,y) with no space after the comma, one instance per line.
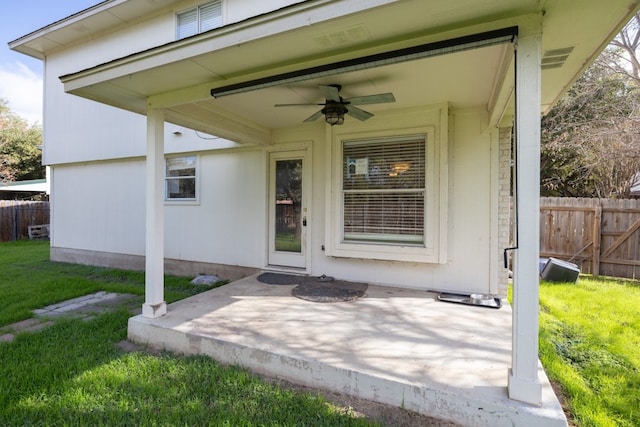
(99,207)
(228,225)
(238,10)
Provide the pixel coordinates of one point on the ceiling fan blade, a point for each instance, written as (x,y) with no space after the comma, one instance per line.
(331,93)
(372,99)
(313,117)
(358,113)
(294,105)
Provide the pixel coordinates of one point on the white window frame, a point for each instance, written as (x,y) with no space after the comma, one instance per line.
(198,19)
(196,178)
(433,249)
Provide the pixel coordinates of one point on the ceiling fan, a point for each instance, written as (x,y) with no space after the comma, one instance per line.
(335,107)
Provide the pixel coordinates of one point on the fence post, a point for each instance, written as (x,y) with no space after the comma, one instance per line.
(16,218)
(597,232)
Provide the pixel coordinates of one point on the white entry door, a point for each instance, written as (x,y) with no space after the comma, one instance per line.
(288,171)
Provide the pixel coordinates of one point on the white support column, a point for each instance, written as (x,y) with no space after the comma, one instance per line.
(154,305)
(524,384)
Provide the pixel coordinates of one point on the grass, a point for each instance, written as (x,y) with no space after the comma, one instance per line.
(590,345)
(28,280)
(287,242)
(73,373)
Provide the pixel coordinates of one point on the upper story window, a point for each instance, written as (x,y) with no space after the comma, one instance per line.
(181,178)
(199,19)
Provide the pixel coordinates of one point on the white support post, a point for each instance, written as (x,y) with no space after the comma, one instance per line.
(154,305)
(524,384)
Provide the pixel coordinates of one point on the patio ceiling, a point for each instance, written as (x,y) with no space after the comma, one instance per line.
(180,75)
(418,83)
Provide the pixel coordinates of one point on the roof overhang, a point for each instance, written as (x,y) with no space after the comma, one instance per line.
(317,34)
(32,186)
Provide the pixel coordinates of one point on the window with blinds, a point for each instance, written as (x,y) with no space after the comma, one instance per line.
(199,19)
(383,190)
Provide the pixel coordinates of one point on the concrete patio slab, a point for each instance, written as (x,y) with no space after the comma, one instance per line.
(395,346)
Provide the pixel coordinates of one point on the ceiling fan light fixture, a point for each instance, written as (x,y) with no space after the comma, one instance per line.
(334,118)
(334,113)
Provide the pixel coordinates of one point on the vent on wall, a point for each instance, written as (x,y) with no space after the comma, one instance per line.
(341,37)
(555,58)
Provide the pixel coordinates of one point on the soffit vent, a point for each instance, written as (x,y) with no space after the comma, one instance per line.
(555,58)
(342,37)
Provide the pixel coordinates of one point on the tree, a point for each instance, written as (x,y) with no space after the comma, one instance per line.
(20,153)
(591,138)
(624,48)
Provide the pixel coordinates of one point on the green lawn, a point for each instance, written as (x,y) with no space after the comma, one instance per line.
(73,373)
(29,281)
(590,344)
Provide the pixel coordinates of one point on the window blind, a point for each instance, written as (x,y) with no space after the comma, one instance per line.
(200,19)
(187,24)
(210,16)
(384,190)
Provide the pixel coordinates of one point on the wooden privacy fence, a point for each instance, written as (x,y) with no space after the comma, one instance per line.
(16,217)
(602,236)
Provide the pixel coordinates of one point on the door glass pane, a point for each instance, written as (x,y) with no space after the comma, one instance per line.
(288,207)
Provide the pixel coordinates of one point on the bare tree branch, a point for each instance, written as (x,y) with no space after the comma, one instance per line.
(591,138)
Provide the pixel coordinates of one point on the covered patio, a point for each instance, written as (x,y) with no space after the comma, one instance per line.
(464,74)
(396,346)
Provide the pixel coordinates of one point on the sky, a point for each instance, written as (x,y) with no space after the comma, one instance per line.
(21,75)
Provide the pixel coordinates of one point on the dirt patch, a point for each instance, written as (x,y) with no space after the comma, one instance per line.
(562,397)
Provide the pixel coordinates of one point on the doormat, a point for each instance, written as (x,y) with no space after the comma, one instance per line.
(281,279)
(317,289)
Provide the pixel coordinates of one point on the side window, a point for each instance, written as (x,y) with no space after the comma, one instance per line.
(180,178)
(199,19)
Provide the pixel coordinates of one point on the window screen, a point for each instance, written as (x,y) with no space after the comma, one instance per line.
(384,190)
